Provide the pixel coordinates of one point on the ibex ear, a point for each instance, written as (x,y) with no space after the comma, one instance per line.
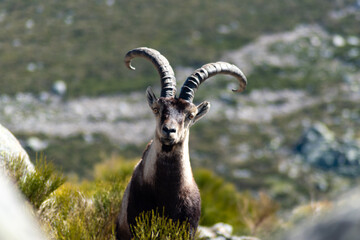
(150,96)
(203,109)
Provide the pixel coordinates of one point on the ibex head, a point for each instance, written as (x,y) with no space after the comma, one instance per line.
(174,116)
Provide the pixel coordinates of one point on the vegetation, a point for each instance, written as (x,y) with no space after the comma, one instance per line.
(261,157)
(71,214)
(83,42)
(83,157)
(261,153)
(248,214)
(256,174)
(153,225)
(88,209)
(36,185)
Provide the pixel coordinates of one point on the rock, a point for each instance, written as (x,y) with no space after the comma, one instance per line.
(36,144)
(59,88)
(244,238)
(205,232)
(319,147)
(10,148)
(341,223)
(16,220)
(219,238)
(220,231)
(339,41)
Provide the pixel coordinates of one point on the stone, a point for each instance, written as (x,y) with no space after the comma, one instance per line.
(16,220)
(343,222)
(220,231)
(59,88)
(223,229)
(36,144)
(244,238)
(205,233)
(10,148)
(319,147)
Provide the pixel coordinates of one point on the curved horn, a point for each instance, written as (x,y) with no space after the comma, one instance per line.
(193,82)
(168,81)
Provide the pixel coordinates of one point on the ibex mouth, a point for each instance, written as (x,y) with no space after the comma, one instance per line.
(167,141)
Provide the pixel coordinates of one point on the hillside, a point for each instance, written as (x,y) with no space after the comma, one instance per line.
(247,138)
(301,59)
(83,42)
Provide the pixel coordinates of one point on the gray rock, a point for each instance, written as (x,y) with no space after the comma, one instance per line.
(220,231)
(219,238)
(10,148)
(59,88)
(320,148)
(36,144)
(16,220)
(244,238)
(206,232)
(341,223)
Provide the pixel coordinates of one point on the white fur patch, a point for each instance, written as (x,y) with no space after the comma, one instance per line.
(151,157)
(186,166)
(150,162)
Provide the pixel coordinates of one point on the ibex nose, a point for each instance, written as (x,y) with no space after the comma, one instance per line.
(168,130)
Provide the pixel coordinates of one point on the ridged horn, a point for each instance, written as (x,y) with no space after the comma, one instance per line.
(162,65)
(193,82)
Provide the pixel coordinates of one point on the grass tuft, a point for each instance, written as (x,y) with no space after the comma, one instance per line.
(36,185)
(153,225)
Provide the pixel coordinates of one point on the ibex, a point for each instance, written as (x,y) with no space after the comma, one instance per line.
(163,178)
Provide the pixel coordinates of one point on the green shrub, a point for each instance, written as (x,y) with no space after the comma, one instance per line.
(69,214)
(153,225)
(88,210)
(36,185)
(221,202)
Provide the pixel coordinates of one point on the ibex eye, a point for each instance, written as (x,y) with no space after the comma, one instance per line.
(156,111)
(191,116)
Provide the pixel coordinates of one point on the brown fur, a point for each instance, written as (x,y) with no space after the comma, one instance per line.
(163,179)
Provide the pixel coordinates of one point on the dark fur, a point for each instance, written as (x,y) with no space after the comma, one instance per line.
(168,190)
(167,193)
(174,108)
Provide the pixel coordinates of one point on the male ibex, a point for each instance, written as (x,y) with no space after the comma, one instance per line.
(163,178)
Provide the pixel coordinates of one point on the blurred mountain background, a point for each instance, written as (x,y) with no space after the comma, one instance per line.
(293,134)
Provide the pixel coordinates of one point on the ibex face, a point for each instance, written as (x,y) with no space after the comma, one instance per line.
(174,117)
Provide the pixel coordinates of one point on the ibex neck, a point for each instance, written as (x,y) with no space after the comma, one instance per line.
(180,147)
(176,152)
(177,162)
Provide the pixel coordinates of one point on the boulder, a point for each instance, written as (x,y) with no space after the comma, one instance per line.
(16,220)
(343,222)
(10,148)
(319,147)
(220,231)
